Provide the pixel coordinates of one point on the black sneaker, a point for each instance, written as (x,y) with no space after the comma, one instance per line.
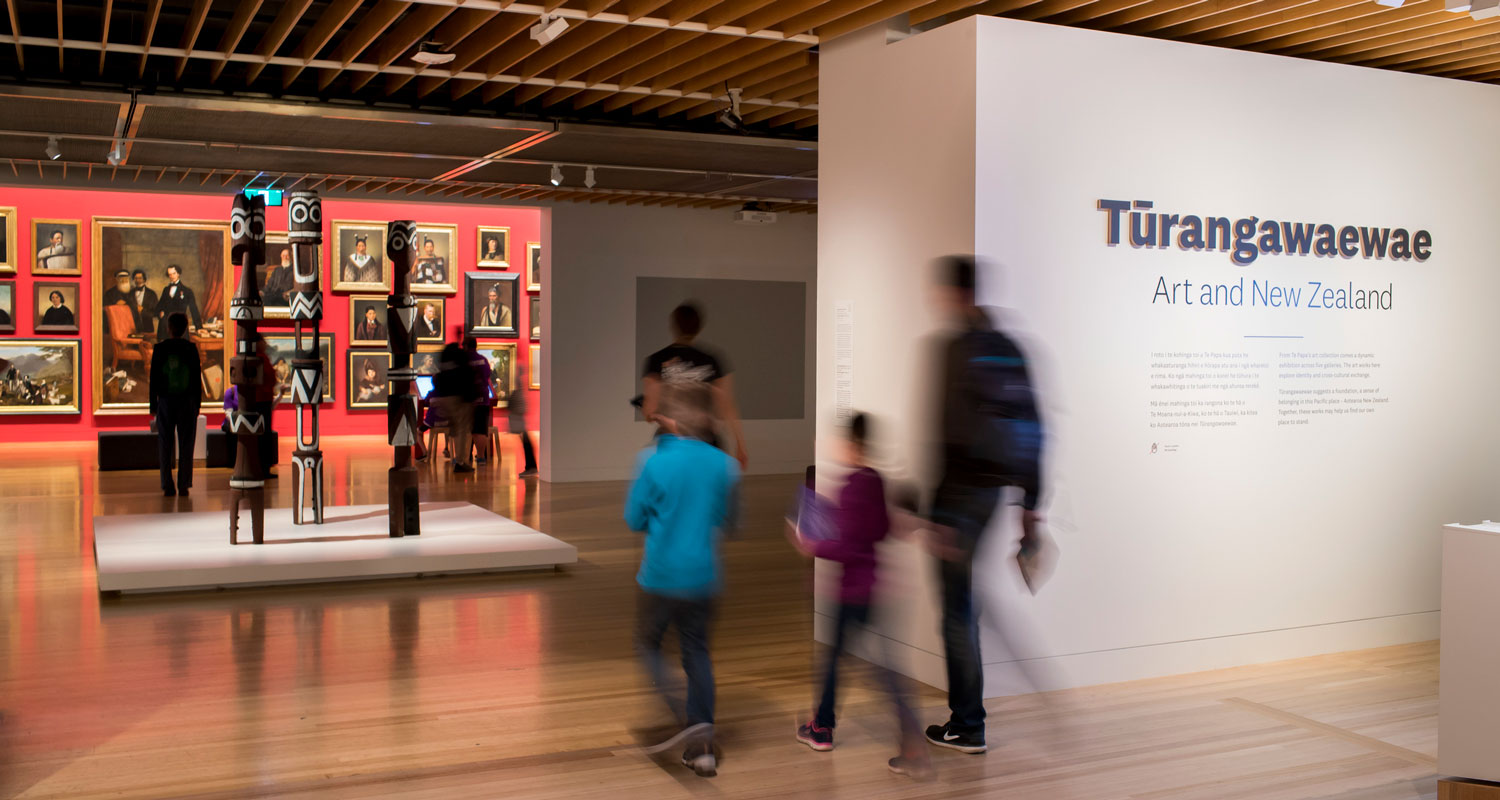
(816,736)
(953,739)
(700,758)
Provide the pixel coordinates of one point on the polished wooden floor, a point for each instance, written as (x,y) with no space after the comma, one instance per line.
(523,685)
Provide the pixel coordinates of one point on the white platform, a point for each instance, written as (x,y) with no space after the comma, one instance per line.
(173,552)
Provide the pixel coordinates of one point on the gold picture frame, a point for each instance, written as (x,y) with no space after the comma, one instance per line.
(275,244)
(358,305)
(425,360)
(65,317)
(533,266)
(534,366)
(26,392)
(9,307)
(485,257)
(354,275)
(436,330)
(125,390)
(371,392)
(432,272)
(7,240)
(281,348)
(42,230)
(502,359)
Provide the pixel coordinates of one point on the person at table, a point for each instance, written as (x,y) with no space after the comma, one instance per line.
(56,255)
(58,314)
(370,328)
(177,298)
(142,302)
(279,281)
(361,266)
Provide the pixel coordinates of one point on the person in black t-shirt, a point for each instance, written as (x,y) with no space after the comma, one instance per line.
(176,394)
(683,363)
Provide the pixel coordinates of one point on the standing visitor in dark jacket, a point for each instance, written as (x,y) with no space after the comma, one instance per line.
(453,394)
(175,397)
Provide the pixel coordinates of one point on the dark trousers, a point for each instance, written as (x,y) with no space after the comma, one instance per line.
(691,618)
(176,429)
(527,449)
(852,618)
(967,510)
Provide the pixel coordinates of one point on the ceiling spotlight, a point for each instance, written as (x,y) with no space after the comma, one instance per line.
(588,178)
(52,150)
(431,53)
(730,117)
(116,156)
(1484,9)
(548,28)
(1391,3)
(556,175)
(1456,6)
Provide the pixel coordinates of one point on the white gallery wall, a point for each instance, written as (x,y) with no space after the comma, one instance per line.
(1234,477)
(589,430)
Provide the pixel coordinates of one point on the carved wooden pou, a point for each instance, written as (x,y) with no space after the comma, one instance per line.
(401,406)
(305,225)
(247,233)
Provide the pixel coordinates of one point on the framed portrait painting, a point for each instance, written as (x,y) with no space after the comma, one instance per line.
(534,318)
(502,358)
(425,360)
(143,271)
(490,304)
(533,266)
(493,247)
(39,376)
(55,307)
(432,273)
(281,348)
(359,263)
(276,278)
(534,366)
(430,320)
(7,306)
(367,321)
(7,240)
(56,243)
(368,385)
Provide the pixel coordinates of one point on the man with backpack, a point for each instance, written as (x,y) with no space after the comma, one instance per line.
(990,437)
(175,397)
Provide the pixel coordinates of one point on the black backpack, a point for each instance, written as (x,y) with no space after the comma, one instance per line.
(1007,437)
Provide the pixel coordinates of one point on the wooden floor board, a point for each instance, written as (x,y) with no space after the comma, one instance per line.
(524,685)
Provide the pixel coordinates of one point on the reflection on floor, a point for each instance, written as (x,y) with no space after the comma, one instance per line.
(524,686)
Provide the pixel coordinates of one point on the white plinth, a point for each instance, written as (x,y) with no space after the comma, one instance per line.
(1469,682)
(174,552)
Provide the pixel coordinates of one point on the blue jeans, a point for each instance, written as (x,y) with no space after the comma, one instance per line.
(691,617)
(968,511)
(857,617)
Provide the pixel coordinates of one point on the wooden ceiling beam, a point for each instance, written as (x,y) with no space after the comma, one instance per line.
(792,92)
(1059,8)
(766,88)
(557,52)
(369,28)
(1431,29)
(691,48)
(244,13)
(287,18)
(109,7)
(1328,21)
(420,22)
(1190,13)
(733,52)
(680,11)
(555,96)
(783,10)
(1252,23)
(330,21)
(623,40)
(453,32)
(590,97)
(153,14)
(1451,56)
(795,115)
(189,35)
(1140,12)
(655,47)
(1227,20)
(775,69)
(732,10)
(15,33)
(496,33)
(847,16)
(636,9)
(729,74)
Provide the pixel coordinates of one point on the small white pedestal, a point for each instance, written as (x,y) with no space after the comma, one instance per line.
(1469,688)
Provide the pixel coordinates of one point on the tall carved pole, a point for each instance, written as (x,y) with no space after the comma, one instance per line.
(247,232)
(305,216)
(401,406)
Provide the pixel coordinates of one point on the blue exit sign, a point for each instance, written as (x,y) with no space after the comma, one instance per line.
(272,196)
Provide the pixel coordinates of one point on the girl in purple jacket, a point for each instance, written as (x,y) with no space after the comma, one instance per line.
(861,521)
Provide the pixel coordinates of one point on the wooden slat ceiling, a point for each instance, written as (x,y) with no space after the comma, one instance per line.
(662,63)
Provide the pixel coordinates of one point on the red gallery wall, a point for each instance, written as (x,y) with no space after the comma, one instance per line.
(336,418)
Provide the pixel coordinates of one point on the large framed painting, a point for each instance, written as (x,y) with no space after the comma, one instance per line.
(55,306)
(490,304)
(281,348)
(425,362)
(143,271)
(367,321)
(502,358)
(359,263)
(493,247)
(430,320)
(276,278)
(368,385)
(533,266)
(7,240)
(534,366)
(7,306)
(433,271)
(39,376)
(534,318)
(56,243)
